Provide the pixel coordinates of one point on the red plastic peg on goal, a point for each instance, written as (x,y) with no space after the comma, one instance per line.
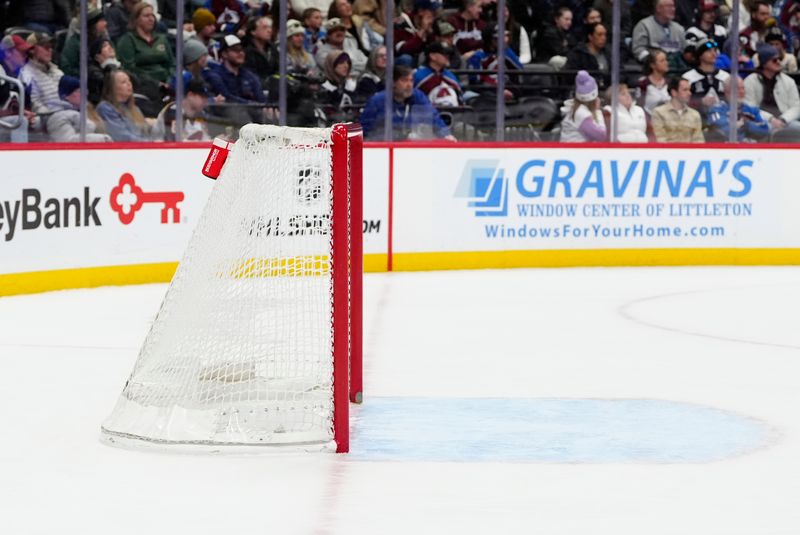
(216,158)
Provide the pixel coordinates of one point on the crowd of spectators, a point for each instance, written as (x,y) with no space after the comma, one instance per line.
(675,78)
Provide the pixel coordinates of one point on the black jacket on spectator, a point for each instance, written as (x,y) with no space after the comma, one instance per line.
(264,64)
(169,11)
(580,59)
(117,18)
(553,41)
(52,12)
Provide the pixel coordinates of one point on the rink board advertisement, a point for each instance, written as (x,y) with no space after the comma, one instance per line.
(578,199)
(67,210)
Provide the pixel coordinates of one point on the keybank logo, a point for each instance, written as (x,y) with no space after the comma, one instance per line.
(485,187)
(127,198)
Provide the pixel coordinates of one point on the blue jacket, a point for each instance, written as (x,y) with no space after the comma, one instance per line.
(119,124)
(755,126)
(416,111)
(244,88)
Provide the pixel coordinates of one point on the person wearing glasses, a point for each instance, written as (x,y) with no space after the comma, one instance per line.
(775,94)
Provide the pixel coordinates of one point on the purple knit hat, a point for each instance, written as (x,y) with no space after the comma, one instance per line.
(585,87)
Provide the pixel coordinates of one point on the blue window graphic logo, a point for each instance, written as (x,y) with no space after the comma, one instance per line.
(486,188)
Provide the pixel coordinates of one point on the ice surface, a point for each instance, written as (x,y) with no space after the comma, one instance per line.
(609,358)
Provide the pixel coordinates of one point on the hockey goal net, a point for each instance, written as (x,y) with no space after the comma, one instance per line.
(257,341)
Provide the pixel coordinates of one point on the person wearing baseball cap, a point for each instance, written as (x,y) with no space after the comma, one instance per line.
(337,39)
(434,79)
(195,125)
(13,53)
(777,38)
(705,26)
(40,74)
(236,83)
(775,94)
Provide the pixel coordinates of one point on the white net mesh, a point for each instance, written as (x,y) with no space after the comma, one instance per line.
(241,349)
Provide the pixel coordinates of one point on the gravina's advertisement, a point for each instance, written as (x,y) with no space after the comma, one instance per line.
(627,198)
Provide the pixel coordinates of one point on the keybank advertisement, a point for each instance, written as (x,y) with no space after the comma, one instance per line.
(518,199)
(64,209)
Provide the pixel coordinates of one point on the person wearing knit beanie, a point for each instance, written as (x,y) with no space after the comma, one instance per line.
(585,87)
(193,50)
(582,117)
(202,19)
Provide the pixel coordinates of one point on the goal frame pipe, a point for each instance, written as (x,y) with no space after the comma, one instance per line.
(356,145)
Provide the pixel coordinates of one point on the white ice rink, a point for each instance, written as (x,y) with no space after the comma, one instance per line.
(640,401)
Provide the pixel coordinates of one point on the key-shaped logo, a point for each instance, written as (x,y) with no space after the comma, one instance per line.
(127,198)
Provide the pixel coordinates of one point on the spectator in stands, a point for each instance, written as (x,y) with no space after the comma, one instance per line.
(314,32)
(631,119)
(169,14)
(760,21)
(372,80)
(123,119)
(46,16)
(102,56)
(519,41)
(582,117)
(298,60)
(437,82)
(261,55)
(337,39)
(555,40)
(338,89)
(40,75)
(146,54)
(205,26)
(592,16)
(362,35)
(195,58)
(605,7)
(13,54)
(414,32)
(676,121)
(70,57)
(776,38)
(750,126)
(775,94)
(705,80)
(486,59)
(706,26)
(593,55)
(652,86)
(300,7)
(373,13)
(195,125)
(118,16)
(445,33)
(746,64)
(231,78)
(660,30)
(790,19)
(64,124)
(230,15)
(468,25)
(413,116)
